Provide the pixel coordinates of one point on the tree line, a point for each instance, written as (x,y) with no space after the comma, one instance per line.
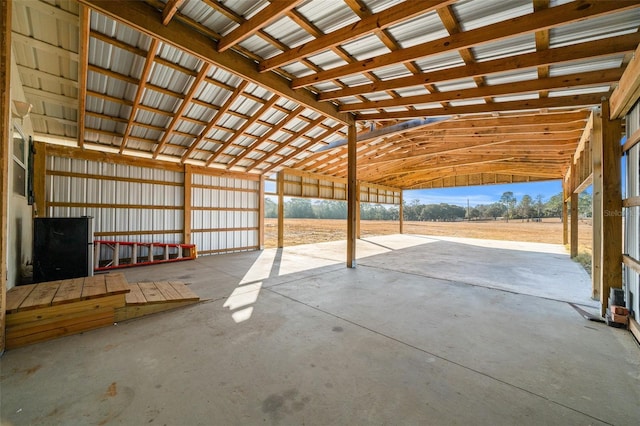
(508,207)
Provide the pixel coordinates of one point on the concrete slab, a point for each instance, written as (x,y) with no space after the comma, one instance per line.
(294,337)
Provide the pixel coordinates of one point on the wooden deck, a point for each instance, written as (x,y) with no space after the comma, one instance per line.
(45,311)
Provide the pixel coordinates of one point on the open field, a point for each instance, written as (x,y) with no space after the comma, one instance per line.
(307,231)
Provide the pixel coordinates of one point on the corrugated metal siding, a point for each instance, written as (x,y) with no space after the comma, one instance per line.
(225,214)
(123,210)
(632,215)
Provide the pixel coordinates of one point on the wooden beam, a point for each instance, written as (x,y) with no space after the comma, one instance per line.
(352,197)
(358,189)
(376,22)
(191,93)
(83,54)
(212,123)
(628,90)
(596,208)
(532,104)
(147,20)
(39,179)
(188,181)
(146,70)
(611,206)
(584,79)
(573,247)
(543,19)
(588,50)
(170,9)
(280,190)
(401,212)
(265,17)
(565,217)
(631,141)
(5,137)
(261,213)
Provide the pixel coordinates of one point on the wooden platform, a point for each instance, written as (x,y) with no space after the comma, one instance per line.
(45,311)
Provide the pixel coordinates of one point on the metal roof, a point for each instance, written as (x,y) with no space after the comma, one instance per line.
(154,93)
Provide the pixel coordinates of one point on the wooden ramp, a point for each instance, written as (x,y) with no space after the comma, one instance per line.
(40,312)
(150,297)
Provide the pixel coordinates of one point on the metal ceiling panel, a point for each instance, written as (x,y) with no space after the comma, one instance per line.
(419,30)
(474,14)
(365,47)
(328,15)
(594,29)
(505,48)
(586,66)
(286,31)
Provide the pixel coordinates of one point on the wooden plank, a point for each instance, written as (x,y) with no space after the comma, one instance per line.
(170,9)
(261,213)
(41,296)
(631,202)
(573,246)
(52,322)
(94,287)
(70,291)
(136,311)
(151,293)
(596,208)
(116,283)
(611,206)
(91,322)
(57,311)
(16,296)
(184,291)
(186,204)
(135,296)
(352,197)
(631,141)
(261,19)
(626,94)
(631,263)
(280,189)
(167,290)
(634,327)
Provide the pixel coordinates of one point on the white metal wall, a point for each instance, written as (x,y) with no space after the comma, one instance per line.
(632,215)
(128,203)
(224,213)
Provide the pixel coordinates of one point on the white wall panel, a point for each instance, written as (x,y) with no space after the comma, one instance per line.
(632,215)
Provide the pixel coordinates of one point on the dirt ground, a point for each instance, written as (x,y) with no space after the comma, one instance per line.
(307,231)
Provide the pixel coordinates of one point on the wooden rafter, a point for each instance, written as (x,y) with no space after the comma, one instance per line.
(533,104)
(85,27)
(266,16)
(191,93)
(576,52)
(375,22)
(584,79)
(542,43)
(140,90)
(559,15)
(241,131)
(221,111)
(170,9)
(147,20)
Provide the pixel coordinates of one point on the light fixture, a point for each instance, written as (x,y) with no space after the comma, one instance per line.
(22,109)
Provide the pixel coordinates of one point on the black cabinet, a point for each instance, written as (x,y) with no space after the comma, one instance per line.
(62,248)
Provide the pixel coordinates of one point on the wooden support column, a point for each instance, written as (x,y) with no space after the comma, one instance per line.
(611,206)
(352,197)
(565,215)
(401,212)
(280,190)
(358,235)
(5,125)
(596,208)
(574,225)
(188,180)
(261,214)
(40,180)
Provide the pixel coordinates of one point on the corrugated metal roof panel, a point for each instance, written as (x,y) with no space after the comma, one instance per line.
(522,97)
(297,69)
(259,46)
(474,14)
(327,60)
(586,66)
(180,57)
(365,47)
(462,84)
(412,91)
(504,48)
(593,29)
(419,30)
(286,31)
(440,62)
(511,77)
(579,91)
(328,15)
(355,80)
(201,12)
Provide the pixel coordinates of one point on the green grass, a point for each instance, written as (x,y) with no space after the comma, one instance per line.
(584,259)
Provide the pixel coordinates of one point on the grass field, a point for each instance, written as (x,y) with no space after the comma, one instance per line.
(307,231)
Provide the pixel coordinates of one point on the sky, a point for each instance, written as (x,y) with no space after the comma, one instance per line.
(485,194)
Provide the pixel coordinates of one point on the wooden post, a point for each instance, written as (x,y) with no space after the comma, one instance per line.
(5,125)
(280,190)
(358,235)
(401,212)
(352,197)
(596,208)
(261,214)
(574,225)
(40,180)
(565,219)
(611,207)
(186,229)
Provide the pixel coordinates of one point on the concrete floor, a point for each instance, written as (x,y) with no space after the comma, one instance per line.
(436,331)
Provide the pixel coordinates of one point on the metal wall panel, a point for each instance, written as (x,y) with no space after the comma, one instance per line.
(123,210)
